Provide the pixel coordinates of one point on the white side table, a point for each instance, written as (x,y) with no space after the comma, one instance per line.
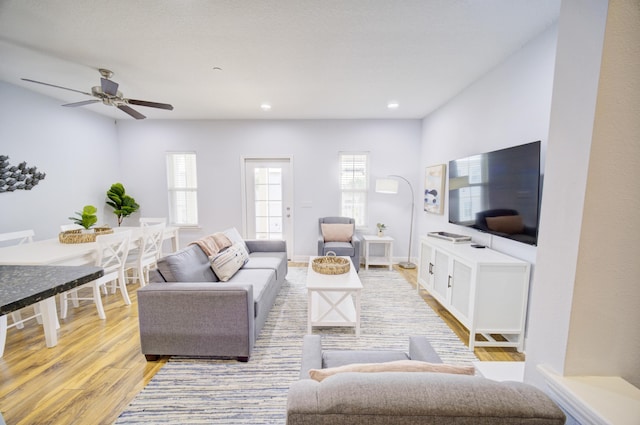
(386,260)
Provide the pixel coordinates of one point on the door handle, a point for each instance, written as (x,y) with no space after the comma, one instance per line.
(430,268)
(449,281)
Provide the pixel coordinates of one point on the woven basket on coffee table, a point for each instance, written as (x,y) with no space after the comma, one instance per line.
(330,264)
(76,236)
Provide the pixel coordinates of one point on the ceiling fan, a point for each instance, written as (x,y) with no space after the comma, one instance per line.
(107,93)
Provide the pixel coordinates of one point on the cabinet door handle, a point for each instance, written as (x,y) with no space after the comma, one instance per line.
(449,281)
(430,268)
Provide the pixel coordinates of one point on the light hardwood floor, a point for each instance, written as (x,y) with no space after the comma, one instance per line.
(97,368)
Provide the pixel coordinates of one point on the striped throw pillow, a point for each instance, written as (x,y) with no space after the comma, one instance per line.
(226,263)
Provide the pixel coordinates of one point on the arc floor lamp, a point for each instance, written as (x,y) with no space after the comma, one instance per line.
(390,186)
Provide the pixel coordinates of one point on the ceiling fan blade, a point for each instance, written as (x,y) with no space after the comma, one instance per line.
(109,87)
(150,104)
(53,85)
(135,114)
(84,102)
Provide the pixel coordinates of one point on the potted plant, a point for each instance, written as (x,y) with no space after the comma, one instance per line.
(381,228)
(123,205)
(87,217)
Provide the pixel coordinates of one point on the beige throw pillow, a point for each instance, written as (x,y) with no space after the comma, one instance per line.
(337,232)
(510,224)
(229,261)
(395,366)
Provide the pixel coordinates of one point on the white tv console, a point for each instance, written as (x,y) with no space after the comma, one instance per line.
(485,290)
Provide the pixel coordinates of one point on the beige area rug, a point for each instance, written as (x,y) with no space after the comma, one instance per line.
(207,391)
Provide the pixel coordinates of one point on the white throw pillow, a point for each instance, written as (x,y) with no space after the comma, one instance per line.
(226,263)
(234,236)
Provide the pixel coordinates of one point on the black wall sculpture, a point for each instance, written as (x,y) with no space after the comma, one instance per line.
(18,177)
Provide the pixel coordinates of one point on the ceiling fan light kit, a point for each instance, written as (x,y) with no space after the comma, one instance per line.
(107,93)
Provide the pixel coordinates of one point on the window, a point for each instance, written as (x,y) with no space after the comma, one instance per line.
(354,183)
(472,198)
(182,182)
(268,202)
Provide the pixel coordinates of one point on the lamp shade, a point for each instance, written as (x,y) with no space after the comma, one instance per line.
(386,186)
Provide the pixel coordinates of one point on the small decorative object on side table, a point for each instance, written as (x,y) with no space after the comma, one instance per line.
(381,228)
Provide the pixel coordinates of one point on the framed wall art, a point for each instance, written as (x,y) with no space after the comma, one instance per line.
(434,189)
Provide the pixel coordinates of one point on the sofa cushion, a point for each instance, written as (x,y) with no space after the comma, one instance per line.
(395,366)
(229,261)
(190,264)
(417,398)
(345,249)
(268,260)
(337,232)
(335,358)
(261,280)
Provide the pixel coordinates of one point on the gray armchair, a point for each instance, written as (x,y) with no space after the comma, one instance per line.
(347,249)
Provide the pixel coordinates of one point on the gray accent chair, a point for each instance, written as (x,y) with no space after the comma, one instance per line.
(405,398)
(347,249)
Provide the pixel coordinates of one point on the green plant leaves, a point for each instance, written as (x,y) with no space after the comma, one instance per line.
(87,217)
(123,205)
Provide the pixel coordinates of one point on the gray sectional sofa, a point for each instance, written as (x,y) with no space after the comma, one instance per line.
(389,398)
(187,311)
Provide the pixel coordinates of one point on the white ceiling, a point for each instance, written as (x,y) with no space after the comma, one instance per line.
(308,58)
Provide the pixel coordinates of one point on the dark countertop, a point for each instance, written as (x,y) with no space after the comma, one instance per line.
(21,286)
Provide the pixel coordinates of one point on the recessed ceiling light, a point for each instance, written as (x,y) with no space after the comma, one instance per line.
(265,107)
(393,105)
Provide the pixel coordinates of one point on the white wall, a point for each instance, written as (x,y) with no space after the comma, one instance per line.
(580,34)
(509,106)
(314,145)
(77,150)
(606,295)
(587,313)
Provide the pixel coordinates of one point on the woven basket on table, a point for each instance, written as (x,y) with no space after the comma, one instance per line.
(76,236)
(330,264)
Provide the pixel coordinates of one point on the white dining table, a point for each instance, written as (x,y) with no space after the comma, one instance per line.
(53,252)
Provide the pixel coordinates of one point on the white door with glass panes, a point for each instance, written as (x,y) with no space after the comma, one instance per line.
(268,194)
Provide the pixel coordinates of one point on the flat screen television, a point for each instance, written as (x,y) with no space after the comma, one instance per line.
(498,192)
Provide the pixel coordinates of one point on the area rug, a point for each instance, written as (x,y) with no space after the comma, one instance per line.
(207,391)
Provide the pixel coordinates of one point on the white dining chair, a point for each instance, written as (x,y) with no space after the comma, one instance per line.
(149,221)
(18,238)
(145,257)
(111,254)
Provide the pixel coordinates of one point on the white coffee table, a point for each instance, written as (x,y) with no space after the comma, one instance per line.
(333,300)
